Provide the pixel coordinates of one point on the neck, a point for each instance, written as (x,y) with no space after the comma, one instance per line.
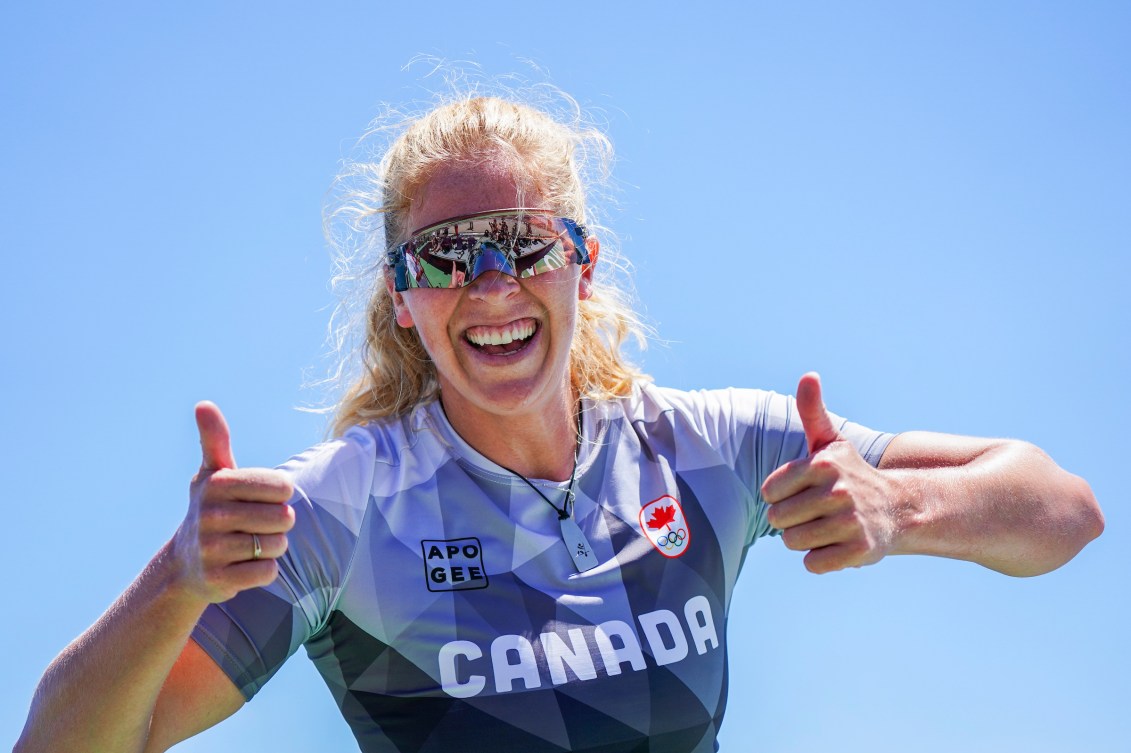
(537,444)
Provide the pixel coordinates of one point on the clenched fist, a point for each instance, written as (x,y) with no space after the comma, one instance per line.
(832,503)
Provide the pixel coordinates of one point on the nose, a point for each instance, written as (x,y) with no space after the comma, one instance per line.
(490,257)
(493,286)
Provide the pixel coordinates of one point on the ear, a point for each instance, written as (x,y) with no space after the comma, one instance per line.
(585,284)
(404,316)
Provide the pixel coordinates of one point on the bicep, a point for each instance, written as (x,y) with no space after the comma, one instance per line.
(926,449)
(197,695)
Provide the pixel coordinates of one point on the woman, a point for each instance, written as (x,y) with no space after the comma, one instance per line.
(516,542)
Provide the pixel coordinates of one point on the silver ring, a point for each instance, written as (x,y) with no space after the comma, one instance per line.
(256,549)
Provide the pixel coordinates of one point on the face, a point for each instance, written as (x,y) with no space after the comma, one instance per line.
(500,345)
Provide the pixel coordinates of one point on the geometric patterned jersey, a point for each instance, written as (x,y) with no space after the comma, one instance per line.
(434,593)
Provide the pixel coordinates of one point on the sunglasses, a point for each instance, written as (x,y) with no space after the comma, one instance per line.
(517,242)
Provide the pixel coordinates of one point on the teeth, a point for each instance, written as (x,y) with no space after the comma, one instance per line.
(501,335)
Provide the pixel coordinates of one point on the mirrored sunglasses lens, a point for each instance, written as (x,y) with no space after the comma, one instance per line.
(520,245)
(430,271)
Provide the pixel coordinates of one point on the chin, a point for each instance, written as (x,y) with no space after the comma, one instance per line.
(513,397)
(505,397)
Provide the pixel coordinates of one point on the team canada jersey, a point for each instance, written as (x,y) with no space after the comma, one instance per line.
(434,592)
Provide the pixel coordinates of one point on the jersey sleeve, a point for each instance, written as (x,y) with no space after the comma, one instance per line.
(772,435)
(252,634)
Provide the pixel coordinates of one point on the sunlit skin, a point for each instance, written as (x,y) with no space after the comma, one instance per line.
(513,403)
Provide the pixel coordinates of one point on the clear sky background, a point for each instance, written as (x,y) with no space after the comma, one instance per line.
(927,202)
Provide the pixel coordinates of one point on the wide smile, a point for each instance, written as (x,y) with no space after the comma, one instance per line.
(502,340)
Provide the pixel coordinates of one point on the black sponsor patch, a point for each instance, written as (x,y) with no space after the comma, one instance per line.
(453,564)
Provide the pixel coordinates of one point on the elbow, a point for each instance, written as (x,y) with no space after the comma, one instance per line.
(1078,521)
(1089,516)
(1079,516)
(1065,517)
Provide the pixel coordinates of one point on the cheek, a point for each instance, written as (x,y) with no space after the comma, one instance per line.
(568,296)
(429,312)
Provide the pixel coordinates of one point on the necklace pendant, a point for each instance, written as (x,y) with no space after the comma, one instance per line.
(579,550)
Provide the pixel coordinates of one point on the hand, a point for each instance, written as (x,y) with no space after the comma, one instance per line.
(214,547)
(832,503)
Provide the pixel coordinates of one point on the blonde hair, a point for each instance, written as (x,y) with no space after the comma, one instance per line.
(385,366)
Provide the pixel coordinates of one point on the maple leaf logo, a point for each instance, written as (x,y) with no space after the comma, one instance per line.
(661,517)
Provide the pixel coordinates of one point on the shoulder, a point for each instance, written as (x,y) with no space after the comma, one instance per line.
(729,405)
(711,422)
(353,453)
(365,460)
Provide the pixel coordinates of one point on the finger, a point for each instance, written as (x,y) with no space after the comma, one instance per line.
(821,532)
(215,439)
(249,485)
(819,429)
(251,574)
(795,477)
(828,559)
(230,548)
(801,508)
(786,481)
(253,517)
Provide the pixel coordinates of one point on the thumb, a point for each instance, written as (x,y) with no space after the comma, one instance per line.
(215,440)
(819,429)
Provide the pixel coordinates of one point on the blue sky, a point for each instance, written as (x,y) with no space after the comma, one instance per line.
(928,203)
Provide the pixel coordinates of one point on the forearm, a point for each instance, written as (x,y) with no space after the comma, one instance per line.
(99,693)
(1009,507)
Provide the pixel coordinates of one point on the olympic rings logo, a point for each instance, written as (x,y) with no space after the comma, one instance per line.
(672,540)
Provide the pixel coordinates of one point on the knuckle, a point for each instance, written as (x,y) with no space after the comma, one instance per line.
(822,462)
(849,520)
(283,517)
(211,548)
(223,478)
(285,488)
(214,517)
(805,540)
(814,566)
(789,537)
(858,548)
(272,482)
(266,573)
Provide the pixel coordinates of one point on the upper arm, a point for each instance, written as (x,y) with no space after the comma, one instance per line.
(925,449)
(197,695)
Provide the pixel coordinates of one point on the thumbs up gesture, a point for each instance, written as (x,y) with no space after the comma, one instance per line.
(237,520)
(832,503)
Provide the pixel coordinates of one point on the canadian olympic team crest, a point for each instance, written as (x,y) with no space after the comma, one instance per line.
(662,521)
